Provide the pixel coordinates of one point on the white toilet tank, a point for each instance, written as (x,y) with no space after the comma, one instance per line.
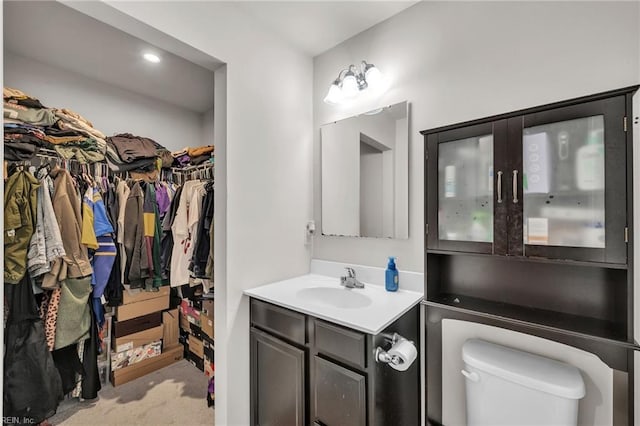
(508,387)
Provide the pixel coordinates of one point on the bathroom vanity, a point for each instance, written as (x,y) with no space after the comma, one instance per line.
(315,363)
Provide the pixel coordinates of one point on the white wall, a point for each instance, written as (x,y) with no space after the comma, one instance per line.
(457,61)
(208,128)
(268,163)
(371,201)
(111,109)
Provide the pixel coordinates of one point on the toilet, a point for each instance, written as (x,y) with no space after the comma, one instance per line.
(505,386)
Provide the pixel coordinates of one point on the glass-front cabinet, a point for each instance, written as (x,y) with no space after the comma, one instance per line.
(529,228)
(548,184)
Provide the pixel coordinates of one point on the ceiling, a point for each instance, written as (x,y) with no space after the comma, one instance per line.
(60,35)
(317,26)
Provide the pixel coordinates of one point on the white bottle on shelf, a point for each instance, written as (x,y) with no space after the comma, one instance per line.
(450,181)
(590,162)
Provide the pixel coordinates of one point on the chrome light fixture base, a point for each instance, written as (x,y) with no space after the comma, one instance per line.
(351,81)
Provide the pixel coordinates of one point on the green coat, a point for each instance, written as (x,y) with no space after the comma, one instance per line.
(20,202)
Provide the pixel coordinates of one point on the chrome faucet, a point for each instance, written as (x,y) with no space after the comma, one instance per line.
(350,280)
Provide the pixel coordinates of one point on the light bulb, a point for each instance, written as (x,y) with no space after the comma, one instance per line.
(349,86)
(334,96)
(151,57)
(374,78)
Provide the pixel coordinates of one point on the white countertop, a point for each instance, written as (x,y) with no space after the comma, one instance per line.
(372,310)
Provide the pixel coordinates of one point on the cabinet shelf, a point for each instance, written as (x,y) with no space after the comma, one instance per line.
(524,259)
(565,193)
(466,198)
(580,326)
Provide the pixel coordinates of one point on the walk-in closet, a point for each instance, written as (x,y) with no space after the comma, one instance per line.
(109,184)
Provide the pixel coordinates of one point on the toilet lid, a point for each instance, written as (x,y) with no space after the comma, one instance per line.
(524,368)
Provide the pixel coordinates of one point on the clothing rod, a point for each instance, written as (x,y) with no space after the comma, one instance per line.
(190,168)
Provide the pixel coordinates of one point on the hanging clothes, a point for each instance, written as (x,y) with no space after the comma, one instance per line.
(166,244)
(88,235)
(20,212)
(104,256)
(66,205)
(31,382)
(91,380)
(203,244)
(152,234)
(69,366)
(184,232)
(122,192)
(74,317)
(51,318)
(113,291)
(46,243)
(137,262)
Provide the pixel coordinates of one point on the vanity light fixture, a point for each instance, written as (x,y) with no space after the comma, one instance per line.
(151,57)
(353,80)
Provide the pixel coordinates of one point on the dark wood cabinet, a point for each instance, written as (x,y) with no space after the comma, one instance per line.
(340,395)
(528,216)
(278,381)
(529,227)
(307,370)
(546,184)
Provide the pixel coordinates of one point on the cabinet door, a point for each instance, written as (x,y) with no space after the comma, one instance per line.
(277,382)
(340,395)
(465,189)
(569,172)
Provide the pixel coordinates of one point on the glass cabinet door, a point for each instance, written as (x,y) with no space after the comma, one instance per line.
(573,183)
(563,183)
(462,182)
(465,189)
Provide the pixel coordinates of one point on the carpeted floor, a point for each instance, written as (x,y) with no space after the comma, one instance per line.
(174,395)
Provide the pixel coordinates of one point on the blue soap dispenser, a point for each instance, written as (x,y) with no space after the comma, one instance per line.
(391,275)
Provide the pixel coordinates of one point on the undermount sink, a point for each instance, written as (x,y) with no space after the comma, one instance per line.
(335,297)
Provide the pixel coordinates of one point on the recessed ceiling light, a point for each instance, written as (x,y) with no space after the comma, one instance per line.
(151,57)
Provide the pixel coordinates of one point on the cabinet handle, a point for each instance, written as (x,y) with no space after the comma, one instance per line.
(515,187)
(499,190)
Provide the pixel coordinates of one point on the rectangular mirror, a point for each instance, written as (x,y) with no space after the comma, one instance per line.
(365,176)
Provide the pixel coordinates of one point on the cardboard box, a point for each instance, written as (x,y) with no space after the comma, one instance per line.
(207,326)
(207,308)
(138,339)
(126,374)
(196,331)
(192,314)
(184,320)
(209,368)
(139,295)
(196,346)
(196,360)
(144,307)
(171,331)
(135,355)
(208,348)
(135,325)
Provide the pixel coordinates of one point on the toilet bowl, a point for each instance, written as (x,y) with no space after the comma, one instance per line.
(505,386)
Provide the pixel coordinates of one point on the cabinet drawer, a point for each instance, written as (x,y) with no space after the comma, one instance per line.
(346,345)
(340,395)
(283,322)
